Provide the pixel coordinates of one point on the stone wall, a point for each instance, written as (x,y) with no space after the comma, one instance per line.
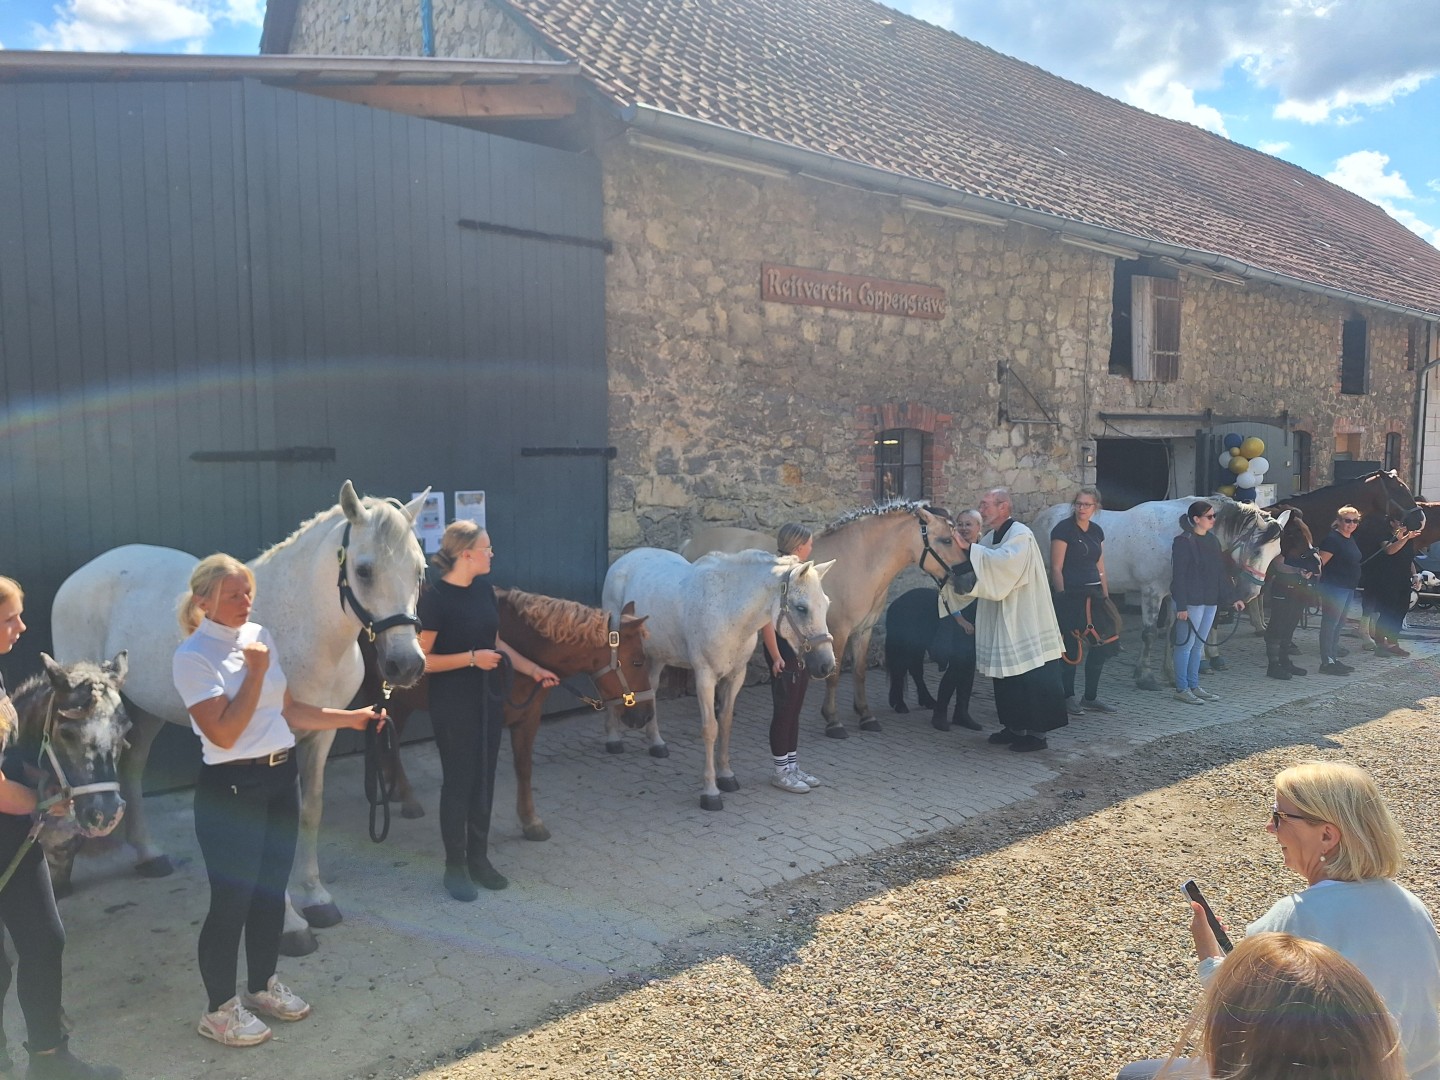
(471,29)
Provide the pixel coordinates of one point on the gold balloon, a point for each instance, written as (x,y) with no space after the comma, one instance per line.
(1239,464)
(1227,489)
(1252,447)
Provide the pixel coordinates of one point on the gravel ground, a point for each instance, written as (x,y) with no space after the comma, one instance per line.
(1046,941)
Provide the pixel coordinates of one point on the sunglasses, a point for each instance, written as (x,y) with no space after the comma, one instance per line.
(1349,521)
(1276,814)
(1203,516)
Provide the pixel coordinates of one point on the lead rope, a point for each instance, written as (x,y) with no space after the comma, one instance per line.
(42,806)
(379,744)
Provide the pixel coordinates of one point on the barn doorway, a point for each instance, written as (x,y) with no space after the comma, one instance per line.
(1131,471)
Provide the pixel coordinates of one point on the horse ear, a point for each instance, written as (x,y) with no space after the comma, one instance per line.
(119,667)
(821,569)
(58,675)
(1284,518)
(350,503)
(414,506)
(628,609)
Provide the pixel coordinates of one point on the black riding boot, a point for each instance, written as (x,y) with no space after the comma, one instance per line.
(1279,664)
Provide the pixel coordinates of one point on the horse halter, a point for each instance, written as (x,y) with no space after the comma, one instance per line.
(626,697)
(929,552)
(347,596)
(812,641)
(57,768)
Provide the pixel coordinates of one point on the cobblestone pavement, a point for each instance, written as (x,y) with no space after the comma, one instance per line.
(411,975)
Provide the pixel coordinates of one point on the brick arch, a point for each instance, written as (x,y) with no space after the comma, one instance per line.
(871,420)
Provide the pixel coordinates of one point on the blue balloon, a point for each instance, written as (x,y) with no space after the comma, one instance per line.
(1233,441)
(1244,494)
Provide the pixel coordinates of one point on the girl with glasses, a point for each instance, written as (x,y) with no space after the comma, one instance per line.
(1340,560)
(1199,583)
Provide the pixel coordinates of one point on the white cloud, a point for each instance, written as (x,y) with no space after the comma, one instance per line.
(1363,172)
(1273,148)
(1433,185)
(1166,97)
(1343,104)
(248,12)
(118,25)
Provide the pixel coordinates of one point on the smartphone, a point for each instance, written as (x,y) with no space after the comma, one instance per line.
(1192,892)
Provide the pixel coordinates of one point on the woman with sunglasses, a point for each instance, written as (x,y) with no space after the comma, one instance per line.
(1336,832)
(1199,583)
(1340,574)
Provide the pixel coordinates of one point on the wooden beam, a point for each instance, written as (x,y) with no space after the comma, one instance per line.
(536,101)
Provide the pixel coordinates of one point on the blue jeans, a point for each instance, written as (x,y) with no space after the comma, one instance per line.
(1189,650)
(1333,605)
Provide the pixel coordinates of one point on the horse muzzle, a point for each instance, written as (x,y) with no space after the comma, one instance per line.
(98,814)
(401,662)
(820,658)
(1414,519)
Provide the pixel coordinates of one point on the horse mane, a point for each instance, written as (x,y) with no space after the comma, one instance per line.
(392,528)
(564,622)
(34,689)
(895,506)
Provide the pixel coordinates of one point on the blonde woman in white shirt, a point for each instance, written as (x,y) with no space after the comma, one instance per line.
(247,797)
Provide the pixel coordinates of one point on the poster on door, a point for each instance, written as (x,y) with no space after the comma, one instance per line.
(430,522)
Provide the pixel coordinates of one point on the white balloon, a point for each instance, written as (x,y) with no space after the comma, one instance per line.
(1259,466)
(1225,459)
(1246,479)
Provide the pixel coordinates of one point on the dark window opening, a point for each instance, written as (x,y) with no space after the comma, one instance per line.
(1132,471)
(1353,357)
(901,455)
(1392,450)
(1302,458)
(1145,322)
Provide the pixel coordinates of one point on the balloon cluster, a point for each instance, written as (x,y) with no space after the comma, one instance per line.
(1243,459)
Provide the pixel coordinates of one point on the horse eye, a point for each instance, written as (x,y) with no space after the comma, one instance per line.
(365,572)
(637,663)
(803,609)
(947,541)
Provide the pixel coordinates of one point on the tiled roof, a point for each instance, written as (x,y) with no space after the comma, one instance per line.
(860,81)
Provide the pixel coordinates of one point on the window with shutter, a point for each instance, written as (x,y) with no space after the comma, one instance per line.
(900,458)
(1354,359)
(1155,341)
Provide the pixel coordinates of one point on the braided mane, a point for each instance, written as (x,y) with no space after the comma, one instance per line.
(564,622)
(898,506)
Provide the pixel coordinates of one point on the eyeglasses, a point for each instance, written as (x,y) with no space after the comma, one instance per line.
(1349,521)
(1276,814)
(1211,514)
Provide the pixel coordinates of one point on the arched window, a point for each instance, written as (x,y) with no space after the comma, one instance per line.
(901,457)
(1301,458)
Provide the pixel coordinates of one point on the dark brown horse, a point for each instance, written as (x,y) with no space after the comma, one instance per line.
(1381,494)
(566,637)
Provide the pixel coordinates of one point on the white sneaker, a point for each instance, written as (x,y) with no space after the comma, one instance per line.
(789,780)
(1188,697)
(805,777)
(278,1001)
(233,1025)
(1205,695)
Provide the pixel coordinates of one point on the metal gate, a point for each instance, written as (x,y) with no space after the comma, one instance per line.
(220,300)
(1279,451)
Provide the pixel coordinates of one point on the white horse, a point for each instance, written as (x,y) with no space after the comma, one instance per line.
(1137,554)
(129,595)
(705,617)
(873,544)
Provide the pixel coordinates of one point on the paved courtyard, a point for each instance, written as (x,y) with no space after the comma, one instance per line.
(634,864)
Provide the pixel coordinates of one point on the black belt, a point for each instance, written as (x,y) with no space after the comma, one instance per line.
(279,757)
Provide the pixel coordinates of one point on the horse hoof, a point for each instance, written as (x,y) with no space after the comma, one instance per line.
(298,942)
(869,724)
(159,866)
(614,747)
(836,731)
(727,783)
(1147,683)
(1219,664)
(900,707)
(322,915)
(711,802)
(660,750)
(928,704)
(411,811)
(536,832)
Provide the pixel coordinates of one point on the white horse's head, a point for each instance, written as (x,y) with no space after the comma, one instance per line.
(802,615)
(1250,539)
(382,563)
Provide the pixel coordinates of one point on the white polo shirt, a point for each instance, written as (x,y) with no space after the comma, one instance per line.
(210,664)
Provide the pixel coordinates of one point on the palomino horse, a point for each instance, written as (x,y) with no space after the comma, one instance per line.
(704,616)
(71,725)
(566,637)
(1137,555)
(872,545)
(128,596)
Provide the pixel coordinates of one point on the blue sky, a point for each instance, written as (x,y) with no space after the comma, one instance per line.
(1345,88)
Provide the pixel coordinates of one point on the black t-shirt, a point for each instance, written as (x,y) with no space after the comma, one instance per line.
(1082,552)
(462,618)
(1343,569)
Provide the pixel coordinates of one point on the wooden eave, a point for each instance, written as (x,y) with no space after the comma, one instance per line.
(432,87)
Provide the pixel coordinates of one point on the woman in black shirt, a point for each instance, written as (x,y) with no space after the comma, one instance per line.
(460,637)
(1077,574)
(1340,559)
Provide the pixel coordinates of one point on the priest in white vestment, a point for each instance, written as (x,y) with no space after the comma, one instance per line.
(1017,639)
